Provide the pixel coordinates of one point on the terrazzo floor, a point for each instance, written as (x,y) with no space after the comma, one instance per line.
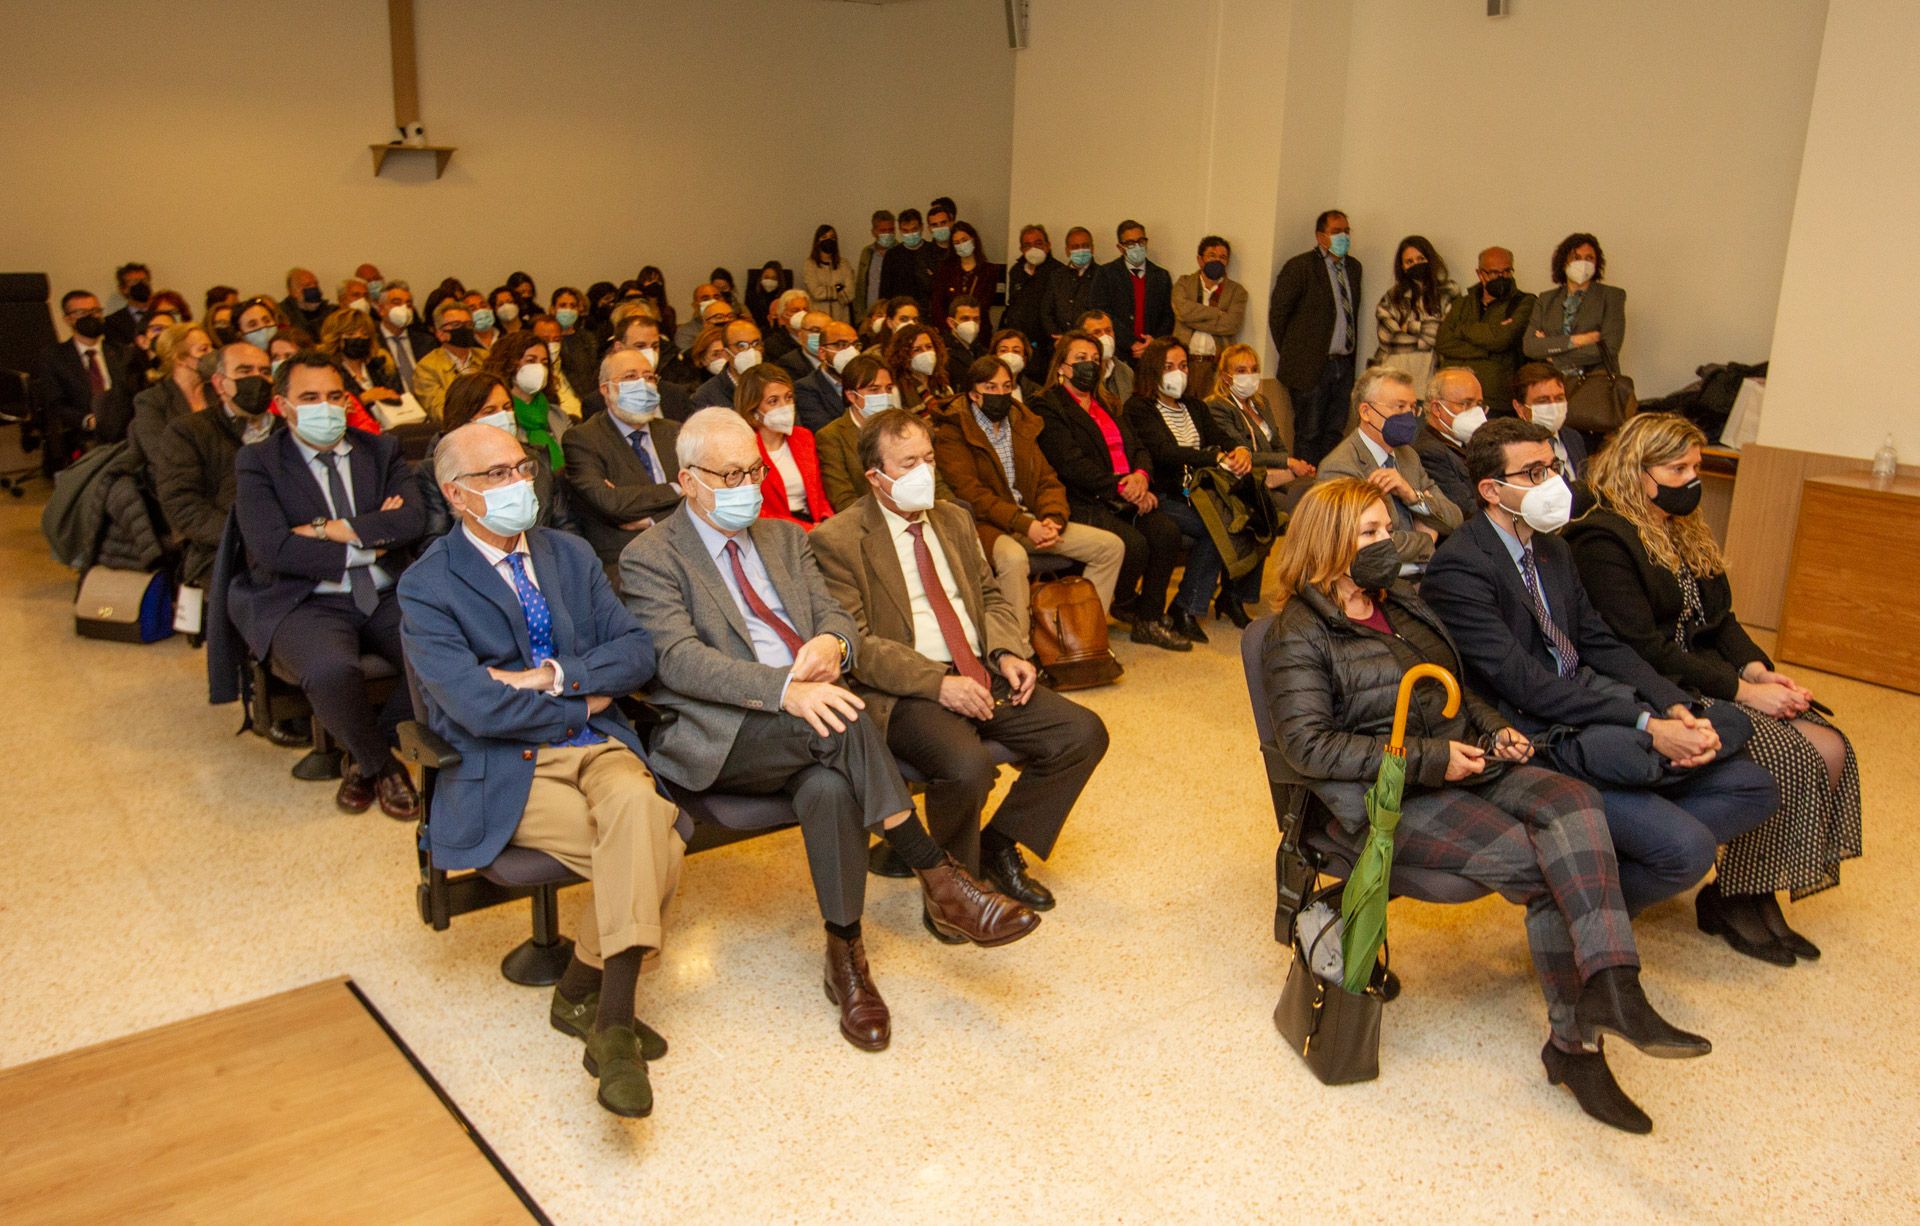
(1119,1066)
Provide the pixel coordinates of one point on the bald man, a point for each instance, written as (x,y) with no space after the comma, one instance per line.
(1487,325)
(1454,411)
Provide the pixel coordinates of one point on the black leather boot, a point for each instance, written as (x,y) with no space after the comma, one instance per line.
(1593,1086)
(1612,1002)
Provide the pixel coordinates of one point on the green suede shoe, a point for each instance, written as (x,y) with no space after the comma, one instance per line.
(613,1055)
(577,1019)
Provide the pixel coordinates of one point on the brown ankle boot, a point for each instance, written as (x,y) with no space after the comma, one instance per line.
(959,905)
(864,1020)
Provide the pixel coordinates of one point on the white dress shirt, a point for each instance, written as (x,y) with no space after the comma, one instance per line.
(927,639)
(357,555)
(497,558)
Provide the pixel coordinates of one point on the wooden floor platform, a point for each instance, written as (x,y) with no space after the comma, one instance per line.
(302,1107)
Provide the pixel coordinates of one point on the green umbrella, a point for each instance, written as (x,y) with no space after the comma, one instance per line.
(1363,904)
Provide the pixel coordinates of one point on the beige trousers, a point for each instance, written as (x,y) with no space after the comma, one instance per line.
(594,809)
(1102,551)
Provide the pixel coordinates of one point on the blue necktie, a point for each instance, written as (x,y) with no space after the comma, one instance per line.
(1565,654)
(540,633)
(639,443)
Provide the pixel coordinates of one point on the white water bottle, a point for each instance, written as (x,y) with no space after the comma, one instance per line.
(1886,465)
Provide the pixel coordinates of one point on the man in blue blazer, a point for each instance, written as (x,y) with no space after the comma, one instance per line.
(1675,783)
(330,517)
(519,647)
(1136,293)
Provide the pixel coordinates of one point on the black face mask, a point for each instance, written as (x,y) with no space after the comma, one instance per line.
(310,295)
(1499,287)
(1419,274)
(251,395)
(1214,269)
(139,292)
(463,338)
(1677,500)
(830,247)
(996,406)
(91,327)
(1376,566)
(359,348)
(1085,375)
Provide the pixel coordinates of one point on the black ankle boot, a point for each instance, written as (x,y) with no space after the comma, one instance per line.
(1186,626)
(1230,608)
(1599,1095)
(1612,1002)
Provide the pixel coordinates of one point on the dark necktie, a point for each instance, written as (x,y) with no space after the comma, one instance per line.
(1397,510)
(759,607)
(964,660)
(638,440)
(96,377)
(540,635)
(1346,299)
(359,578)
(1562,645)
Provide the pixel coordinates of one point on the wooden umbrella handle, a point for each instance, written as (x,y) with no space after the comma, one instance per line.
(1397,743)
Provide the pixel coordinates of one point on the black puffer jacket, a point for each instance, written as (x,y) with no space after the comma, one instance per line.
(1333,685)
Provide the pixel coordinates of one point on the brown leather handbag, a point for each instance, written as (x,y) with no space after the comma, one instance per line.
(1070,634)
(1600,399)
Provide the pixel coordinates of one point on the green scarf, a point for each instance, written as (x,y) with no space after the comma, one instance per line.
(531,417)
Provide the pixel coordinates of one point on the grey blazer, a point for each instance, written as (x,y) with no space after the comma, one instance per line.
(1351,458)
(1603,310)
(706,673)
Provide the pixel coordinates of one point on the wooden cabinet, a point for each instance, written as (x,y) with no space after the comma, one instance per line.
(1853,591)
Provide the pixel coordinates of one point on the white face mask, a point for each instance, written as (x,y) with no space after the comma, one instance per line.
(923,362)
(506,312)
(361,305)
(716,366)
(399,316)
(1034,257)
(912,490)
(1466,422)
(1173,383)
(795,319)
(1106,347)
(1551,414)
(530,379)
(769,284)
(500,419)
(553,350)
(842,357)
(1548,506)
(778,419)
(1015,362)
(1579,272)
(966,331)
(1246,385)
(652,353)
(746,360)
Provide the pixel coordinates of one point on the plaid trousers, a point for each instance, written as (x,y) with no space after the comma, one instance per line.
(1539,839)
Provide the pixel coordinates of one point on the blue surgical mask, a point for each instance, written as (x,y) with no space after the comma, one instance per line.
(501,419)
(886,240)
(813,343)
(910,240)
(374,287)
(964,247)
(566,317)
(874,403)
(1080,258)
(511,509)
(734,510)
(320,425)
(1339,244)
(636,401)
(259,337)
(1136,254)
(483,320)
(942,233)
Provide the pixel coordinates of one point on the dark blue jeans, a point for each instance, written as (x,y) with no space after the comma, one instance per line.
(1203,560)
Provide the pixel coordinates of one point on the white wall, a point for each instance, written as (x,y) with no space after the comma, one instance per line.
(594,136)
(1843,304)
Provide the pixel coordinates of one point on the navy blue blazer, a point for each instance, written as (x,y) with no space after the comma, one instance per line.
(1472,583)
(275,492)
(460,618)
(817,400)
(1113,293)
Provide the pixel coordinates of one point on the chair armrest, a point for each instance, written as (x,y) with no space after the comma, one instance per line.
(421,746)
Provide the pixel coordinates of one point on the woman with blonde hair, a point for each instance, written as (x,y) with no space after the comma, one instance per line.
(1347,630)
(178,386)
(353,341)
(1650,563)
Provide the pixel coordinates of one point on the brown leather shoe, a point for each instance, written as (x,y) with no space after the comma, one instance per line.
(864,1020)
(398,800)
(958,905)
(356,792)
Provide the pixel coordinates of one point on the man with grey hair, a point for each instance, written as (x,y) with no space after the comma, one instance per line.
(460,351)
(786,320)
(192,460)
(621,463)
(1454,412)
(1381,452)
(520,647)
(405,339)
(753,655)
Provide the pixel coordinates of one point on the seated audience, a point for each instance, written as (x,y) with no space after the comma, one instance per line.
(820,395)
(353,295)
(804,358)
(348,337)
(1248,421)
(621,463)
(482,396)
(1540,396)
(1115,375)
(944,665)
(1105,468)
(524,362)
(402,336)
(918,359)
(790,486)
(257,319)
(743,352)
(752,650)
(330,516)
(304,305)
(82,383)
(548,762)
(1180,438)
(191,465)
(1655,573)
(1347,631)
(1011,346)
(1454,411)
(220,323)
(1381,451)
(988,450)
(135,283)
(458,352)
(1135,293)
(642,333)
(1673,779)
(177,388)
(900,312)
(1209,309)
(786,324)
(705,297)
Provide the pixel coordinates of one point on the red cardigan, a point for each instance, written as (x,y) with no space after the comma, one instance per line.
(773,487)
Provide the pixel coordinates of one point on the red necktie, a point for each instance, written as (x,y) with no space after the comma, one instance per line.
(758,606)
(96,378)
(964,660)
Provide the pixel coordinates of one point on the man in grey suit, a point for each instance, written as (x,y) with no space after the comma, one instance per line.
(1381,452)
(621,463)
(752,650)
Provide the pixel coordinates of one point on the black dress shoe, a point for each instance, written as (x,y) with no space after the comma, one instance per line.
(1613,1002)
(1157,633)
(1739,924)
(883,861)
(1122,612)
(1230,608)
(1006,871)
(290,733)
(356,793)
(1776,922)
(1185,625)
(1593,1086)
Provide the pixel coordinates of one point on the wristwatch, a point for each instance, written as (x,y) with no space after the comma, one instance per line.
(319,523)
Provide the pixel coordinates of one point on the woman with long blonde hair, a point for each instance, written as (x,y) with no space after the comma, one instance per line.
(1347,631)
(1651,566)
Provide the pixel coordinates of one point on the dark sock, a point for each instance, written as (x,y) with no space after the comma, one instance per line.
(910,840)
(846,932)
(617,981)
(993,843)
(579,980)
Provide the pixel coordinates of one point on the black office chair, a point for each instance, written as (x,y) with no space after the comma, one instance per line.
(276,696)
(1308,850)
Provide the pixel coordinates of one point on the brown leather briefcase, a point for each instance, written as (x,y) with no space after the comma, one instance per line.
(1070,634)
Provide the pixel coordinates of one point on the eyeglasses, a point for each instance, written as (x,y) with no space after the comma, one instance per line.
(743,346)
(1536,473)
(500,474)
(734,477)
